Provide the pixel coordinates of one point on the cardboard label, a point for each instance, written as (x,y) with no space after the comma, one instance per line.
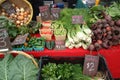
(45,13)
(55,13)
(59,45)
(77,19)
(7,5)
(5,44)
(48,2)
(91,65)
(20,39)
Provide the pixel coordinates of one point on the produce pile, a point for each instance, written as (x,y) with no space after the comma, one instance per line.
(106,30)
(20,16)
(100,28)
(65,71)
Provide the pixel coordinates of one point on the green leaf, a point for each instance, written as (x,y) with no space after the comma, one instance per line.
(4,65)
(22,68)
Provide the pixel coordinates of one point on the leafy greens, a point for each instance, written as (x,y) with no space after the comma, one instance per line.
(18,68)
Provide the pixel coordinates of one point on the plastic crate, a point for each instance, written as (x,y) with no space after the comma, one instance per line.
(74,60)
(18,49)
(27,48)
(38,49)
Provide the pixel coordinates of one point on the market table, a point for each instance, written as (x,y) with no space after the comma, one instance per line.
(111,55)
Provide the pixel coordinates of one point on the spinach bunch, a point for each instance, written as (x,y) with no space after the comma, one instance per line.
(65,71)
(52,71)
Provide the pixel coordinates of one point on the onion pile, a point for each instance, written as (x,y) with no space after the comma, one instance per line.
(21,16)
(106,33)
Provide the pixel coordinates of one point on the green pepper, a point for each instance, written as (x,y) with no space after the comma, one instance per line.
(50,44)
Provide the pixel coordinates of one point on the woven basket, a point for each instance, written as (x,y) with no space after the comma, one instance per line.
(24,4)
(24,54)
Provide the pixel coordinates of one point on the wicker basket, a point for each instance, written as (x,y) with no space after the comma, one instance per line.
(26,55)
(24,4)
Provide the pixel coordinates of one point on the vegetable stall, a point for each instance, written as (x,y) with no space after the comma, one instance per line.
(67,33)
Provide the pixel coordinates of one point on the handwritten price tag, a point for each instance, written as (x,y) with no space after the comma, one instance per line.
(45,13)
(91,65)
(59,45)
(20,39)
(55,13)
(7,5)
(5,44)
(77,19)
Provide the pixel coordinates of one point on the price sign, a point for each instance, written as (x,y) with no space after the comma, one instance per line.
(91,65)
(7,5)
(5,44)
(45,13)
(55,13)
(59,45)
(20,39)
(77,19)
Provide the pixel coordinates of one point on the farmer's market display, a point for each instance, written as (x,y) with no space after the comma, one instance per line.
(99,28)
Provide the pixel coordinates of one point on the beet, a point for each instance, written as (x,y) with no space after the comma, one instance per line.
(115,37)
(104,21)
(116,32)
(94,27)
(99,21)
(106,25)
(108,18)
(100,26)
(105,34)
(99,41)
(99,31)
(109,37)
(104,30)
(109,32)
(108,28)
(97,46)
(111,23)
(91,47)
(118,23)
(113,28)
(105,45)
(115,42)
(99,36)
